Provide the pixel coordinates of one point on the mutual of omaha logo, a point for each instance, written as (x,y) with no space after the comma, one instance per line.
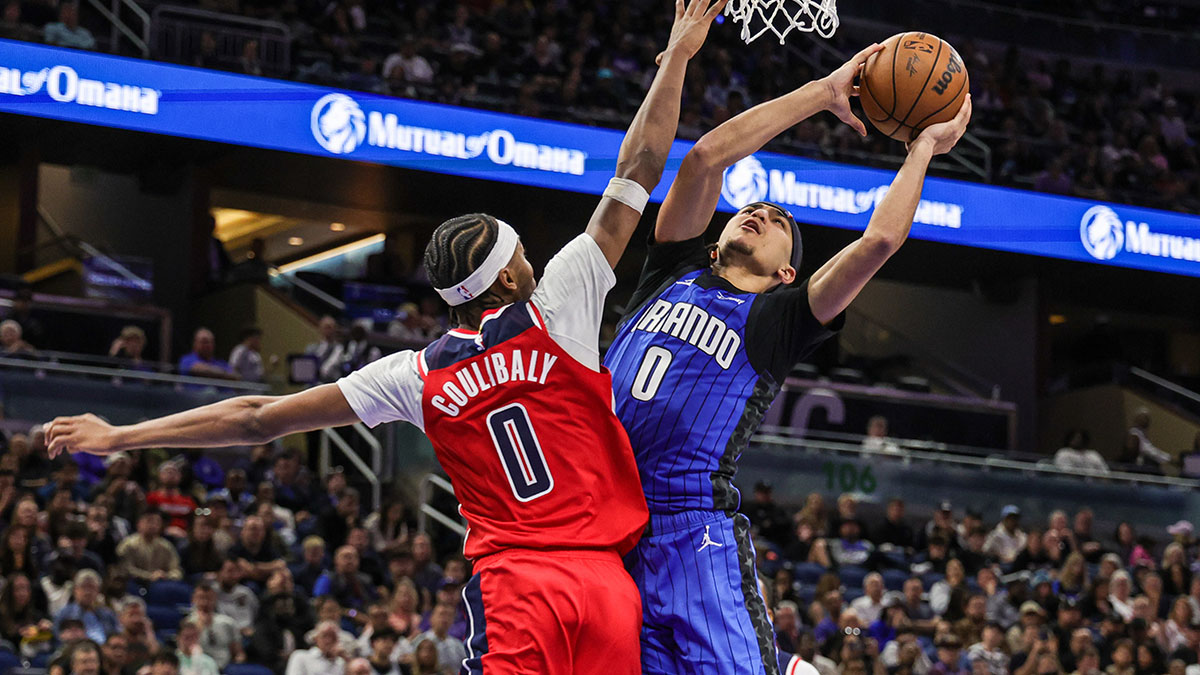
(745,183)
(338,124)
(1102,233)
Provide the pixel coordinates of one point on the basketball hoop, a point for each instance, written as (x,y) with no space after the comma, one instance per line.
(783,16)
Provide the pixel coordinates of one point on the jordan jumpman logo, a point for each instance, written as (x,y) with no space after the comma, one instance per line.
(708,541)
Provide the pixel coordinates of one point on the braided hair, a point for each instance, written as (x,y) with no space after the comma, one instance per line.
(456,249)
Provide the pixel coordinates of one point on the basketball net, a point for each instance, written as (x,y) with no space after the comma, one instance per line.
(783,16)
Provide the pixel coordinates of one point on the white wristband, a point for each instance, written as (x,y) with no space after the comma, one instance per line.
(628,192)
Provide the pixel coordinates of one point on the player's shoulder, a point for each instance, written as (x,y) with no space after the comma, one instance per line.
(496,327)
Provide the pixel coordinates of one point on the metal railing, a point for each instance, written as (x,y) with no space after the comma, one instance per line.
(139,37)
(917,451)
(426,512)
(120,375)
(180,35)
(330,438)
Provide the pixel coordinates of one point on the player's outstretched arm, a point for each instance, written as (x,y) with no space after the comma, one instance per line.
(244,420)
(832,288)
(693,197)
(648,142)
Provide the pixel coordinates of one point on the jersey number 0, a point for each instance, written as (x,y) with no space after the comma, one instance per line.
(520,452)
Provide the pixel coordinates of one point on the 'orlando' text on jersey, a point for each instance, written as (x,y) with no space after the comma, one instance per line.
(696,363)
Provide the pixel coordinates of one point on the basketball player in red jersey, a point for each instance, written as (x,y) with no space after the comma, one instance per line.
(518,409)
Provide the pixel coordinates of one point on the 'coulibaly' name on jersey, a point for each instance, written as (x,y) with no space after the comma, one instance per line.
(497,369)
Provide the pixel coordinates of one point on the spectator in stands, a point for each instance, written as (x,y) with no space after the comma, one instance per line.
(1075,455)
(235,493)
(949,653)
(895,533)
(84,658)
(293,483)
(1007,539)
(192,658)
(24,622)
(114,656)
(147,556)
(877,438)
(946,595)
(404,614)
(354,353)
(389,528)
(67,32)
(990,650)
(1138,450)
(450,650)
(175,506)
(199,554)
(98,621)
(849,548)
(806,546)
(426,660)
(246,358)
(345,582)
(768,520)
(328,329)
(255,553)
(129,346)
(869,607)
(1120,596)
(137,631)
(202,362)
(165,662)
(12,27)
(1088,545)
(74,555)
(335,523)
(11,344)
(219,634)
(251,65)
(406,66)
(235,600)
(325,657)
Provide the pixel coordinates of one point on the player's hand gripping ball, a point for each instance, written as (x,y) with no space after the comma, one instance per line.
(916,80)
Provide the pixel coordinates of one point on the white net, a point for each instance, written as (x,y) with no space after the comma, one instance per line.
(783,16)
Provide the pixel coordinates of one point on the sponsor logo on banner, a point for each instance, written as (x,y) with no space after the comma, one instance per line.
(748,181)
(63,84)
(1104,234)
(340,125)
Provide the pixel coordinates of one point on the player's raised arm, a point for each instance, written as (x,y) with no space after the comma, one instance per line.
(244,420)
(693,197)
(838,282)
(647,144)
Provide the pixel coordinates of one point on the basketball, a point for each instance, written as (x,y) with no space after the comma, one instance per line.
(916,80)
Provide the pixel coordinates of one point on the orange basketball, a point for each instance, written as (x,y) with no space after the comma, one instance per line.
(916,80)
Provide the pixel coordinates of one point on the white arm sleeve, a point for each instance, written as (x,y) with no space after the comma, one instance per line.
(571,298)
(387,390)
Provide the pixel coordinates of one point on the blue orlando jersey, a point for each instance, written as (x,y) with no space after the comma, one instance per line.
(696,363)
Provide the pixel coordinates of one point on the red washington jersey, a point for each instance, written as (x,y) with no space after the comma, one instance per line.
(520,415)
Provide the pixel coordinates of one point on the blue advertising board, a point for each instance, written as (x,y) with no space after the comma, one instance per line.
(179,101)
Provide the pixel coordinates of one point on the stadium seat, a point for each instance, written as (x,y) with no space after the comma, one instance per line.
(853,594)
(807,594)
(852,575)
(893,580)
(930,578)
(169,593)
(41,660)
(808,572)
(164,617)
(247,669)
(8,661)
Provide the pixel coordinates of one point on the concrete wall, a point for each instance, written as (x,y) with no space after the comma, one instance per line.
(1107,412)
(997,342)
(112,212)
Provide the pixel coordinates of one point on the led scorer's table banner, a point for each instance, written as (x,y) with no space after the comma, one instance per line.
(179,101)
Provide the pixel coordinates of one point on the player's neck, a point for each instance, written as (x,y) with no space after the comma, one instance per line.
(743,279)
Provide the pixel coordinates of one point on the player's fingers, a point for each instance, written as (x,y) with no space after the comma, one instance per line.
(680,8)
(658,59)
(854,91)
(855,123)
(716,8)
(862,56)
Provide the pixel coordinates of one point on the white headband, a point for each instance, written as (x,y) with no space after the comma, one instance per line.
(485,275)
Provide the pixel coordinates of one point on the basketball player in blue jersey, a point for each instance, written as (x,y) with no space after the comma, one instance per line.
(710,334)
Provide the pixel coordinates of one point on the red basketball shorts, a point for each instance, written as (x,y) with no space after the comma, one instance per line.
(551,612)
